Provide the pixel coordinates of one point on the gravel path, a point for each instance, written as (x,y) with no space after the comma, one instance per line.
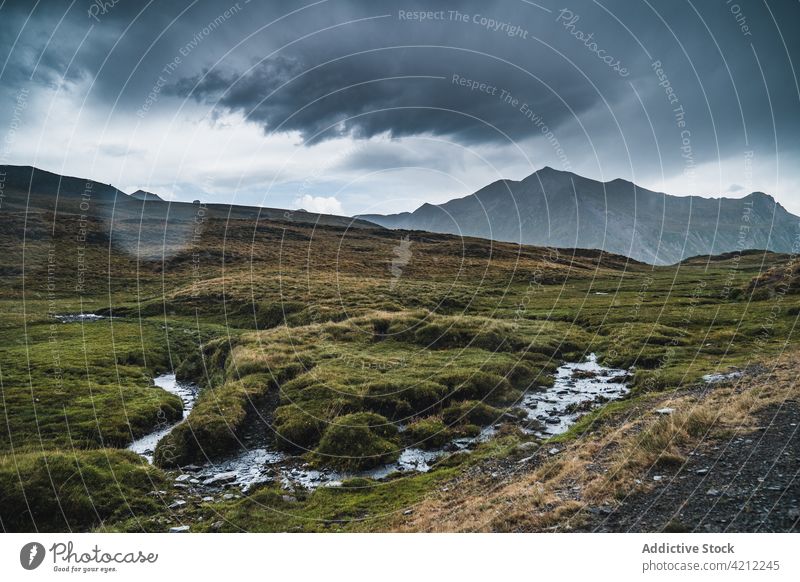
(748,483)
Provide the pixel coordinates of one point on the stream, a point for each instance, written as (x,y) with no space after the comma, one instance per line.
(146,445)
(578,388)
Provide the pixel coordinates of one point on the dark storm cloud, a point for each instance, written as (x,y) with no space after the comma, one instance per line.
(362,68)
(403,77)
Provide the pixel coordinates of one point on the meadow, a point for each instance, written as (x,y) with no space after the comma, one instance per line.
(339,345)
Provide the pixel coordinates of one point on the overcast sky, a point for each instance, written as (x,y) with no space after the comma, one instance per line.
(365,106)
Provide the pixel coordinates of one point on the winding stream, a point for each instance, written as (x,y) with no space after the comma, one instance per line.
(146,445)
(578,388)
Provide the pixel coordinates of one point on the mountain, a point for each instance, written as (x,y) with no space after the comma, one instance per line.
(26,189)
(562,209)
(145,195)
(38,182)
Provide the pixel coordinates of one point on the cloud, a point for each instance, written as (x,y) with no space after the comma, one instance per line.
(349,72)
(320,204)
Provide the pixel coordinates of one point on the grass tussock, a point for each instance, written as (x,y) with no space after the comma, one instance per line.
(79,490)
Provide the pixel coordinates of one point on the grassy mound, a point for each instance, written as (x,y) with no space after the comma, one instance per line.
(63,491)
(358,441)
(428,433)
(470,412)
(778,280)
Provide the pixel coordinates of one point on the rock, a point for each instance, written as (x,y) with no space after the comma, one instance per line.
(208,499)
(182,478)
(702,471)
(657,477)
(217,525)
(194,481)
(191,468)
(665,410)
(180,485)
(289,498)
(179,529)
(408,512)
(228,496)
(554,451)
(220,478)
(177,503)
(712,492)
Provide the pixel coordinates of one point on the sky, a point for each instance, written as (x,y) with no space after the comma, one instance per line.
(352,107)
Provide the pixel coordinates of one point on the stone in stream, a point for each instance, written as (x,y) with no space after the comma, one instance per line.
(221,478)
(182,478)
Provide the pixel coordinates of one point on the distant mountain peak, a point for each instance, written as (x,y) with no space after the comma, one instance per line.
(760,195)
(145,195)
(549,171)
(558,208)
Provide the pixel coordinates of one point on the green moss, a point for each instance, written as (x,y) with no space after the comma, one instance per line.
(479,385)
(470,412)
(358,441)
(388,398)
(296,428)
(427,433)
(79,490)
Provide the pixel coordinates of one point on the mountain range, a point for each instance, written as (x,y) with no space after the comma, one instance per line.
(562,209)
(548,208)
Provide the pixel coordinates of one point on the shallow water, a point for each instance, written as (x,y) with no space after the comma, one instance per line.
(73,317)
(578,388)
(146,445)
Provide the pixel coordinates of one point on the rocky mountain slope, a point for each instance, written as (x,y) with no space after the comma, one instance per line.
(562,209)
